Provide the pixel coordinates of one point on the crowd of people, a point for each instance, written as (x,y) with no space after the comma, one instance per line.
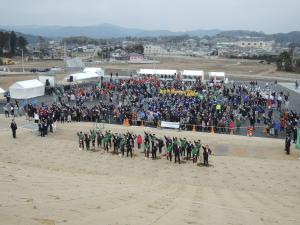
(218,107)
(124,143)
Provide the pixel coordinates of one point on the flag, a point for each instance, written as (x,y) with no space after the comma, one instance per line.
(298,139)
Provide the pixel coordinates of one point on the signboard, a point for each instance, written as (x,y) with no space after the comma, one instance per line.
(174,125)
(298,139)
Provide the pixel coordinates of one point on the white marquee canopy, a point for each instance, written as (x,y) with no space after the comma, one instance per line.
(27,89)
(156,72)
(217,76)
(96,70)
(82,76)
(193,73)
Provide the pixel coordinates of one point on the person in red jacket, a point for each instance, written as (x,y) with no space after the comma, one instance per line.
(139,141)
(231,127)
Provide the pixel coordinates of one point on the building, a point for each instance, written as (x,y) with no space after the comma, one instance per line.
(254,44)
(153,50)
(135,57)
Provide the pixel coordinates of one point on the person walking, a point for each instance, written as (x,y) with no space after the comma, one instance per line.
(14,128)
(81,140)
(288,144)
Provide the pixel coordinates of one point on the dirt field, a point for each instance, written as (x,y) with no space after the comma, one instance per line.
(235,69)
(47,181)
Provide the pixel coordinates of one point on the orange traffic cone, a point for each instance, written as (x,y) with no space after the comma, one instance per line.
(212,130)
(194,128)
(142,123)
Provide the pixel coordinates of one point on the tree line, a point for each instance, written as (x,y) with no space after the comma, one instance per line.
(11,44)
(287,62)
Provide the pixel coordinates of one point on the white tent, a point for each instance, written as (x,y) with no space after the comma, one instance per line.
(193,74)
(82,76)
(156,72)
(51,80)
(99,71)
(2,93)
(27,89)
(217,76)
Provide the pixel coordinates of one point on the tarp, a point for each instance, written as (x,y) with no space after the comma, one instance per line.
(156,72)
(27,89)
(83,76)
(99,71)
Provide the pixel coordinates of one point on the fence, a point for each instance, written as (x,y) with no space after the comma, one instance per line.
(260,131)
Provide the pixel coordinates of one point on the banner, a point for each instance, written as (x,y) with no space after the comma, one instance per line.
(190,93)
(174,125)
(298,139)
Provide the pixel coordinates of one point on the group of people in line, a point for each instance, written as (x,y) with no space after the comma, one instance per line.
(121,143)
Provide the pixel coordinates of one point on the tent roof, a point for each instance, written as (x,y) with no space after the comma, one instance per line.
(216,74)
(84,76)
(193,73)
(1,90)
(27,84)
(92,69)
(163,72)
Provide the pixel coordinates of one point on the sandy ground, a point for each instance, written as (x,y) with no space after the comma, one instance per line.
(46,181)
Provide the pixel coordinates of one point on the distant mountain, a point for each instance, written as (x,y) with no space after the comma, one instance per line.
(102,31)
(240,33)
(292,37)
(31,33)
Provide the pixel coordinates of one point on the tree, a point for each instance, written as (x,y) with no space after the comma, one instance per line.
(136,48)
(22,43)
(13,42)
(10,43)
(284,62)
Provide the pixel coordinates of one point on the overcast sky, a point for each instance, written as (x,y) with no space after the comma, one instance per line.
(176,15)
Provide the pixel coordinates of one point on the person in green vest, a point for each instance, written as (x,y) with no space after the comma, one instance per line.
(81,140)
(122,145)
(105,141)
(169,149)
(146,149)
(183,144)
(62,116)
(195,153)
(176,150)
(99,139)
